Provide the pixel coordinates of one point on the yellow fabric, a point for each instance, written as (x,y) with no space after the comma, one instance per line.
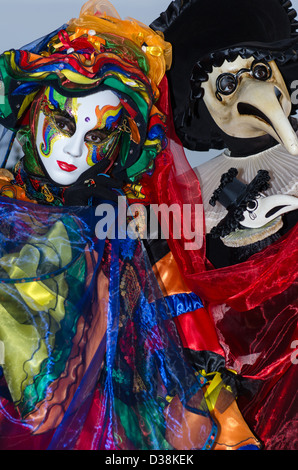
(19,343)
(214,388)
(24,347)
(233,432)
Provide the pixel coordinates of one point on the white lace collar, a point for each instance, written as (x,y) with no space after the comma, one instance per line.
(282,167)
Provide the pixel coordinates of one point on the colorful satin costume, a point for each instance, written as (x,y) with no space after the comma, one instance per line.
(97,332)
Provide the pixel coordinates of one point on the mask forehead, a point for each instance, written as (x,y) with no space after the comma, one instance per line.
(102,109)
(55,101)
(95,111)
(229,67)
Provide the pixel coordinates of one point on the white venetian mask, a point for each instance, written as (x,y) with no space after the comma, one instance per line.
(74,134)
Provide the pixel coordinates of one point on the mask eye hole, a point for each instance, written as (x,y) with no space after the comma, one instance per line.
(64,124)
(96,136)
(226,83)
(261,71)
(252,205)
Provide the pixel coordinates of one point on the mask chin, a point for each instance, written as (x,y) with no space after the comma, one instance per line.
(255,109)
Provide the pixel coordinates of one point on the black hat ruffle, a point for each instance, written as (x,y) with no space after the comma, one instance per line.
(235,196)
(204,34)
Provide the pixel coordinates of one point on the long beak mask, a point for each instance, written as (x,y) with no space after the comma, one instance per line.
(264,209)
(248,99)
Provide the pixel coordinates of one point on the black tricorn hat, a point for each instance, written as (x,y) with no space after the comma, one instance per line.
(235,196)
(205,33)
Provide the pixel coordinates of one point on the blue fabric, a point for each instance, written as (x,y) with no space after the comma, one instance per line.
(40,44)
(249,447)
(140,360)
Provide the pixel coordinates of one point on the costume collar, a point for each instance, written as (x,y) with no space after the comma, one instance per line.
(38,188)
(283,179)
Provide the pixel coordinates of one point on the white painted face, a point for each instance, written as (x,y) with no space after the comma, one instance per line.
(249,98)
(74,134)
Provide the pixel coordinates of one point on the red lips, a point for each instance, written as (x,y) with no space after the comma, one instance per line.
(66,166)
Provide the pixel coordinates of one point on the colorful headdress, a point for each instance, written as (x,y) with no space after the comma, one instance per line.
(95,51)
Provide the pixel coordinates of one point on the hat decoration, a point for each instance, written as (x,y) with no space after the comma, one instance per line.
(236,197)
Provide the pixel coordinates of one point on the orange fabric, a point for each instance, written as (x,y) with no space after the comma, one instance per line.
(233,430)
(168,276)
(11,190)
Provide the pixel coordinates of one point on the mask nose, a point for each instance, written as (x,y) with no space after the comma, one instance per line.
(75,145)
(263,106)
